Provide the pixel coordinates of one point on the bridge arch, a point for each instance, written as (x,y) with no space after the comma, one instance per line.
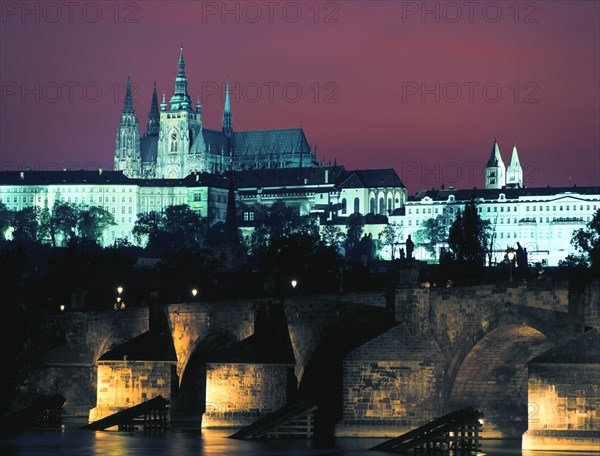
(191,395)
(489,371)
(107,344)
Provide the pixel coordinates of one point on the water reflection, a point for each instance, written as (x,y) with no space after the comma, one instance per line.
(181,442)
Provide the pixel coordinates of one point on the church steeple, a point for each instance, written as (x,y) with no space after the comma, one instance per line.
(514,173)
(154,117)
(128,105)
(180,99)
(227,117)
(495,171)
(127,147)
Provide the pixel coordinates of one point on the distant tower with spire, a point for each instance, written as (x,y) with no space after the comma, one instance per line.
(514,172)
(227,123)
(495,171)
(127,149)
(180,143)
(154,116)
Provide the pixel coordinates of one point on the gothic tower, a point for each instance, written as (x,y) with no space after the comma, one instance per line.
(495,170)
(227,117)
(127,150)
(180,143)
(514,172)
(153,117)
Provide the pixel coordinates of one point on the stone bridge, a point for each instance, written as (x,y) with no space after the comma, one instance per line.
(376,361)
(457,347)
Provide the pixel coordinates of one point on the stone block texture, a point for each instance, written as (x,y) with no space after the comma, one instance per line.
(123,384)
(239,394)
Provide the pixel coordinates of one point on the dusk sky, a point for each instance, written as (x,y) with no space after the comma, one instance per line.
(373,84)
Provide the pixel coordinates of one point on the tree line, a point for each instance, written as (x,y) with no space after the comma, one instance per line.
(58,226)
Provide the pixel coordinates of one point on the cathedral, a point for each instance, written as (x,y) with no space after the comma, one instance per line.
(176,144)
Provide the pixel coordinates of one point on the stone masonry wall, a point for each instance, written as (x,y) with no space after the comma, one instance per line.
(564,407)
(391,382)
(239,394)
(76,383)
(123,384)
(564,397)
(405,376)
(592,305)
(191,323)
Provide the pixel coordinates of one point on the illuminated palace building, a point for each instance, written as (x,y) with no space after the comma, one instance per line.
(178,161)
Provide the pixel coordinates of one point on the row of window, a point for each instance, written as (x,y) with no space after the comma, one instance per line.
(428,210)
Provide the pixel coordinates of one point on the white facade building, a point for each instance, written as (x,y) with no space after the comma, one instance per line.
(121,196)
(542,220)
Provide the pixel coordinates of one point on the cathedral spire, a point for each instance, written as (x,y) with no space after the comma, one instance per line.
(181,100)
(495,157)
(181,71)
(154,116)
(227,117)
(128,106)
(127,148)
(495,171)
(514,172)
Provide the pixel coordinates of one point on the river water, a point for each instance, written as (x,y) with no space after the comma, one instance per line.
(181,442)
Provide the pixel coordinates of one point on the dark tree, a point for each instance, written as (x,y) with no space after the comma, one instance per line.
(332,236)
(433,232)
(587,243)
(64,220)
(147,226)
(281,220)
(392,237)
(355,225)
(93,222)
(468,239)
(6,216)
(185,225)
(26,225)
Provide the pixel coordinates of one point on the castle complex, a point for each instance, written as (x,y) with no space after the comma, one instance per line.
(178,161)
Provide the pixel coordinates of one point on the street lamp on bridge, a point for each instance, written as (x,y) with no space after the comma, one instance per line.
(510,255)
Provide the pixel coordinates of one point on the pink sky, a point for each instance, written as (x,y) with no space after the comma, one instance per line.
(357,65)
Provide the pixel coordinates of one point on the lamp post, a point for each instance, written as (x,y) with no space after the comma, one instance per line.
(510,254)
(294,283)
(119,305)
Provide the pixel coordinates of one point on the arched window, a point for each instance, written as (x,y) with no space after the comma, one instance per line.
(356,205)
(381,206)
(390,207)
(173,142)
(372,207)
(344,204)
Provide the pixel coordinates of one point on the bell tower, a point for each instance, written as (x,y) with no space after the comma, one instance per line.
(514,173)
(127,149)
(495,171)
(180,127)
